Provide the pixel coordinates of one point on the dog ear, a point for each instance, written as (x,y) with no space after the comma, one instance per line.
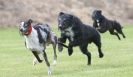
(61,13)
(100,11)
(30,21)
(71,17)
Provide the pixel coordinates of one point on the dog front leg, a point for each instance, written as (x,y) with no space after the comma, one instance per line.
(37,57)
(70,49)
(95,24)
(60,42)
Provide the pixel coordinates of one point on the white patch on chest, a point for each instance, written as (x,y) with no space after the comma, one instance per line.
(98,23)
(69,33)
(32,42)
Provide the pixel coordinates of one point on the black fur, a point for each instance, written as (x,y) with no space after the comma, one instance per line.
(83,35)
(38,28)
(105,24)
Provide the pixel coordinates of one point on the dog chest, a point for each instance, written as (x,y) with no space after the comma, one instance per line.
(32,43)
(69,33)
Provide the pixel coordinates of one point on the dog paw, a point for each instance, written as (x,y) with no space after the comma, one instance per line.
(124,36)
(70,51)
(101,55)
(60,48)
(49,71)
(35,62)
(54,62)
(89,63)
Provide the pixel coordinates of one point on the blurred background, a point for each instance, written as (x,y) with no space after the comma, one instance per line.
(12,12)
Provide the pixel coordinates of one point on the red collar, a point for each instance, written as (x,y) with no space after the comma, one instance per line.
(29,30)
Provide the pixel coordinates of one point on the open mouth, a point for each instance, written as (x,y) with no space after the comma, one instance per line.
(23,32)
(63,27)
(26,31)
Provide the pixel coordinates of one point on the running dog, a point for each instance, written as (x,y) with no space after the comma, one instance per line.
(102,24)
(37,36)
(78,34)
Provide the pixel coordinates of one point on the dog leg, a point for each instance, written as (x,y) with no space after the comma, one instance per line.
(123,35)
(62,44)
(37,57)
(49,71)
(70,49)
(85,51)
(98,44)
(60,47)
(114,33)
(54,41)
(95,24)
(118,28)
(120,31)
(35,61)
(47,62)
(61,40)
(55,55)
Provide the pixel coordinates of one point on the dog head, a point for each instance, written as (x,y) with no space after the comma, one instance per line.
(97,15)
(64,21)
(25,28)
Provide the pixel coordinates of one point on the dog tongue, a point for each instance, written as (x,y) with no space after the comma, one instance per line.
(26,33)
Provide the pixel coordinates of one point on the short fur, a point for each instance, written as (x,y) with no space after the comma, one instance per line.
(102,24)
(37,39)
(78,34)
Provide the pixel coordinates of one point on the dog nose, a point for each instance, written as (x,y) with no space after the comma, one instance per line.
(60,26)
(21,30)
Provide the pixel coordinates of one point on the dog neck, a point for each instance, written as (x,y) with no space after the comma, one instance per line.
(29,31)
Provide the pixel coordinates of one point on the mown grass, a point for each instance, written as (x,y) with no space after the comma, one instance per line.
(16,60)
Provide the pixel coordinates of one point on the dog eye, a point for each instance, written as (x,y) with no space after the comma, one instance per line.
(67,21)
(25,25)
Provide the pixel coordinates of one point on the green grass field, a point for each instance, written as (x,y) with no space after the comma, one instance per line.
(16,60)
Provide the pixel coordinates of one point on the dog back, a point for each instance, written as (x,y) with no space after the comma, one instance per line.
(43,31)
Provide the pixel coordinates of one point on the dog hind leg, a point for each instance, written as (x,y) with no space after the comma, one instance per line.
(85,51)
(47,62)
(54,42)
(118,28)
(98,44)
(121,32)
(114,33)
(55,55)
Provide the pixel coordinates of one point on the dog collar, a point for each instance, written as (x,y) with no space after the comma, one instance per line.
(29,30)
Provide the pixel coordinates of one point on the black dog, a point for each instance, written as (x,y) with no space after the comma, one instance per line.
(102,24)
(36,38)
(78,34)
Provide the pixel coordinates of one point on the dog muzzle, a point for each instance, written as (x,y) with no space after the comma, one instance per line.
(26,32)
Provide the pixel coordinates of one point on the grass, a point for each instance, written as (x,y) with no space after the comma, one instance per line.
(16,60)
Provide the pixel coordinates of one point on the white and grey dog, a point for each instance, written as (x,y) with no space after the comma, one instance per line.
(36,38)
